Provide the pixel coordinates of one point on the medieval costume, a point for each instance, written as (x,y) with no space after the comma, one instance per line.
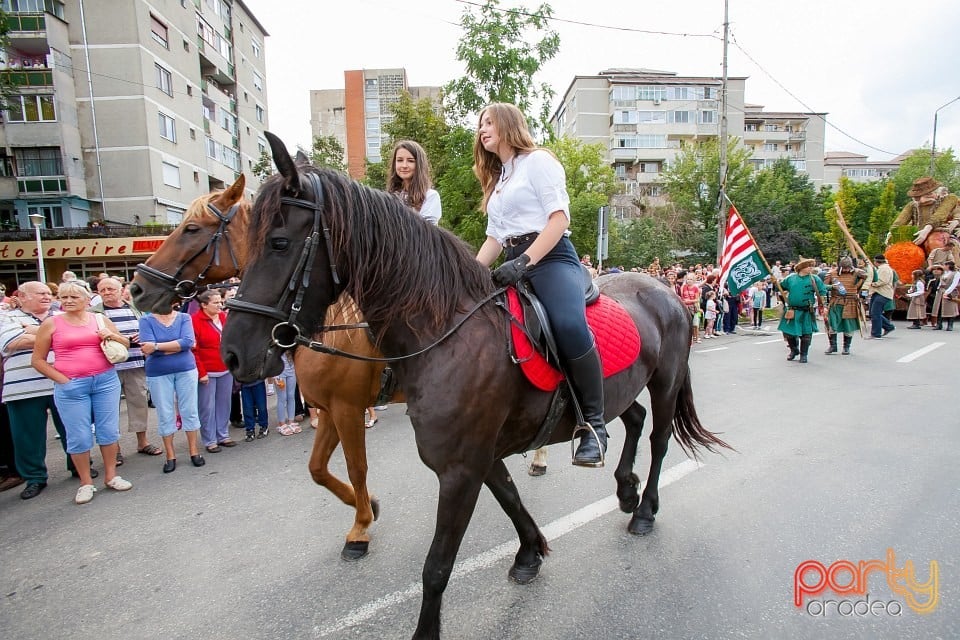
(917,294)
(931,208)
(799,321)
(844,312)
(945,304)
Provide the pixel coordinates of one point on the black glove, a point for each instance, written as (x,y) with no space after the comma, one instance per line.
(511,271)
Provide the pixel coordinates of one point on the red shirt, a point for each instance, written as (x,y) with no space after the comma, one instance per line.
(207,349)
(690,293)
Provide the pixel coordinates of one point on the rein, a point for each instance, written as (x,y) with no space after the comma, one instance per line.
(187,289)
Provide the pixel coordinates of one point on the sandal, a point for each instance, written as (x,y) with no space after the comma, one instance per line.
(150,450)
(214,448)
(119,458)
(296,428)
(285,430)
(370,423)
(314,422)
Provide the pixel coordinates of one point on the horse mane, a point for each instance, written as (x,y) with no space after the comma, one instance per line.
(198,207)
(397,266)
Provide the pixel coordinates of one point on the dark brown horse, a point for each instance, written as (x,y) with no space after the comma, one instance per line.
(210,247)
(315,234)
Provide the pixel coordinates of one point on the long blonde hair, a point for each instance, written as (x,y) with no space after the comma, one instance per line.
(420,183)
(512,129)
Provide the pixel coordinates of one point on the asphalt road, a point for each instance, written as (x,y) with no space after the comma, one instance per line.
(839,459)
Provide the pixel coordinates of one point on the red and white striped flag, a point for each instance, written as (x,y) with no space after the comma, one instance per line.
(741,263)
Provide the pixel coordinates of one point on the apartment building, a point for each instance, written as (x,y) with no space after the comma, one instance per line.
(857,167)
(127,110)
(645,117)
(355,115)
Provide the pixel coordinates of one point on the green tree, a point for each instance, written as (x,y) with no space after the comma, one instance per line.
(831,240)
(693,183)
(7,89)
(917,164)
(502,50)
(590,183)
(263,168)
(326,152)
(881,217)
(637,241)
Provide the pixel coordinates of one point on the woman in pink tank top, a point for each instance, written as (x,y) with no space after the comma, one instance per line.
(86,386)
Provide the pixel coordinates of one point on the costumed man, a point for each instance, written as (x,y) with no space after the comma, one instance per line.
(799,321)
(843,316)
(931,209)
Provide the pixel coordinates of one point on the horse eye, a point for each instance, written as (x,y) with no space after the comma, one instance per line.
(279,244)
(191,228)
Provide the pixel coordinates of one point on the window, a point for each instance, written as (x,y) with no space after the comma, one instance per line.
(799,165)
(257,81)
(164,80)
(6,166)
(653,92)
(769,146)
(771,127)
(174,215)
(260,113)
(35,108)
(620,170)
(651,141)
(708,117)
(228,121)
(652,117)
(171,175)
(168,128)
(257,48)
(752,127)
(52,215)
(625,117)
(681,93)
(33,6)
(39,161)
(680,117)
(709,93)
(649,167)
(158,31)
(262,144)
(624,93)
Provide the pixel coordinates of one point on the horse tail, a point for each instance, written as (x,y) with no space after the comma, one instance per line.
(687,429)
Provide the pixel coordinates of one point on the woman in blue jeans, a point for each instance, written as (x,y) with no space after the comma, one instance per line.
(166,340)
(86,386)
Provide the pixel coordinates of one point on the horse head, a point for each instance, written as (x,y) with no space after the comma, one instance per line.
(290,279)
(198,251)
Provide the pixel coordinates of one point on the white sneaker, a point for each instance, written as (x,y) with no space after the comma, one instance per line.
(119,484)
(85,494)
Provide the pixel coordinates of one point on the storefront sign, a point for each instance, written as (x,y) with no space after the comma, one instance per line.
(85,248)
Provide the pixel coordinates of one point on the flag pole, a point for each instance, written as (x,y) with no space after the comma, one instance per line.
(762,257)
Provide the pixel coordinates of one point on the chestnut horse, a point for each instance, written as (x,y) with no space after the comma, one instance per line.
(209,247)
(315,234)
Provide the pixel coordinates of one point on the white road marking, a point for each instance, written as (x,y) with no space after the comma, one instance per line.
(552,531)
(910,357)
(714,349)
(769,341)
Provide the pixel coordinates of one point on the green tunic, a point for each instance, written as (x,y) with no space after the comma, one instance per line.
(801,298)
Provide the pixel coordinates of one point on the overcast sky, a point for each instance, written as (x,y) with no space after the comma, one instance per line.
(879,68)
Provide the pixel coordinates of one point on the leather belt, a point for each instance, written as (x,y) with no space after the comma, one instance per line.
(516,241)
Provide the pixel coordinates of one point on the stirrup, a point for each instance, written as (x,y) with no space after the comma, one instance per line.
(573,448)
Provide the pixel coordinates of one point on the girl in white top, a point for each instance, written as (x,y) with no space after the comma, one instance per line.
(528,214)
(408,176)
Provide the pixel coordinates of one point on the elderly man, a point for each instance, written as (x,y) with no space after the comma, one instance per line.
(27,394)
(799,321)
(133,379)
(880,287)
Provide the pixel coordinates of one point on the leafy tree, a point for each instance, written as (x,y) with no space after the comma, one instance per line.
(326,152)
(263,168)
(7,89)
(637,241)
(693,183)
(881,217)
(590,183)
(832,241)
(502,50)
(946,170)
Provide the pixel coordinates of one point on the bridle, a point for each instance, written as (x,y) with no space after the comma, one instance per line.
(300,278)
(299,282)
(187,289)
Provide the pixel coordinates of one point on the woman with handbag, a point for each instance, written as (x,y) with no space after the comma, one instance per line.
(86,387)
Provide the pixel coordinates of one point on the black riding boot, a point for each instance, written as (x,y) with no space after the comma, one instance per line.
(586,375)
(847,341)
(949,324)
(832,349)
(805,341)
(792,342)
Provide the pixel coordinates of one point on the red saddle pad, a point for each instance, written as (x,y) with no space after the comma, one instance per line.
(618,341)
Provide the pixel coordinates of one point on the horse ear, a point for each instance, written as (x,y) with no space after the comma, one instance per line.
(301,158)
(234,192)
(281,158)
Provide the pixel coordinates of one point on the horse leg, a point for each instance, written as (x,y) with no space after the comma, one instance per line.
(664,404)
(539,465)
(325,441)
(352,432)
(627,480)
(459,490)
(533,546)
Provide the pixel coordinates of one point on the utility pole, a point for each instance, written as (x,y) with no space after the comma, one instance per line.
(933,144)
(721,199)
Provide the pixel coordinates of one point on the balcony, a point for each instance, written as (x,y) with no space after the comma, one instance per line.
(80,233)
(20,22)
(27,78)
(41,185)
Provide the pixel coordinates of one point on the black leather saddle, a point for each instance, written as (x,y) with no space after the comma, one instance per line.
(535,319)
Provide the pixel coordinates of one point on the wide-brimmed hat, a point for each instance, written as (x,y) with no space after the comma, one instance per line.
(804,263)
(937,267)
(922,186)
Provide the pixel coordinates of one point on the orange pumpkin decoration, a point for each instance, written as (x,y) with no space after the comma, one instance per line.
(903,258)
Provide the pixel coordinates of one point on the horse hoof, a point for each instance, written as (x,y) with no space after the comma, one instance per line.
(354,551)
(537,470)
(640,526)
(375,507)
(525,574)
